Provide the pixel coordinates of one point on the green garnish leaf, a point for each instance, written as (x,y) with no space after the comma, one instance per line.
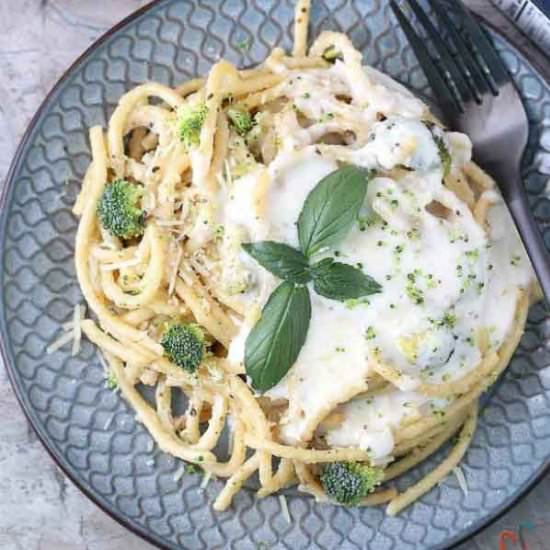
(331,208)
(338,281)
(274,343)
(282,260)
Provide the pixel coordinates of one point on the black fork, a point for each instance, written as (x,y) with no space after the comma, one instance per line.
(476,96)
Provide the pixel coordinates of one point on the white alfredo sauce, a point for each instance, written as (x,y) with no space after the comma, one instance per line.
(443,279)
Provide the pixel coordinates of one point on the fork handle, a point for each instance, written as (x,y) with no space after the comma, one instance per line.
(530,235)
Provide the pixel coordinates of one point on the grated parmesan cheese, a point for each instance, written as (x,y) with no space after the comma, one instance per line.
(132,262)
(228,174)
(103,362)
(174,274)
(94,273)
(72,331)
(461,478)
(109,421)
(170,223)
(185,277)
(60,342)
(109,241)
(284,508)
(179,473)
(77,329)
(205,480)
(381,461)
(215,372)
(185,209)
(221,180)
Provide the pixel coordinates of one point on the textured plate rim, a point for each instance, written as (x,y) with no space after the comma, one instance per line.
(56,456)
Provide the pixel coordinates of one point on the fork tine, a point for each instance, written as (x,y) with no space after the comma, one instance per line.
(486,50)
(438,84)
(471,69)
(448,63)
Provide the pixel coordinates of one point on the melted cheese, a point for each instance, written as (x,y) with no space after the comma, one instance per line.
(444,277)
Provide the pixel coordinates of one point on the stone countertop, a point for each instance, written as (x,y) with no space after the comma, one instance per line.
(39,508)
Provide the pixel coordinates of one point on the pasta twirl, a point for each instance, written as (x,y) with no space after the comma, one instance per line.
(230,159)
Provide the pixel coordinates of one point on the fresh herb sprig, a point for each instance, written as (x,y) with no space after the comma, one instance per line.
(328,213)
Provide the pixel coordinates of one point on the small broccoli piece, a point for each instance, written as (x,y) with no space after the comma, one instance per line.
(190,122)
(119,209)
(184,345)
(111,381)
(448,320)
(244,44)
(348,482)
(331,54)
(241,120)
(444,155)
(191,468)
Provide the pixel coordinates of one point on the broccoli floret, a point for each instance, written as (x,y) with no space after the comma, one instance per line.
(241,121)
(184,345)
(190,122)
(119,209)
(348,482)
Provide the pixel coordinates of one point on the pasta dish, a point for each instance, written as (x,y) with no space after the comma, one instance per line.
(306,254)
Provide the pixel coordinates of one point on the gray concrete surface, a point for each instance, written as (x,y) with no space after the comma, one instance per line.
(39,508)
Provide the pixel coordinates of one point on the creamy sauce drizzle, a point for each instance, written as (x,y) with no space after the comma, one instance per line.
(444,277)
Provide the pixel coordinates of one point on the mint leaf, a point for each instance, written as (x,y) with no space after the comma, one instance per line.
(282,260)
(331,208)
(274,343)
(342,282)
(329,212)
